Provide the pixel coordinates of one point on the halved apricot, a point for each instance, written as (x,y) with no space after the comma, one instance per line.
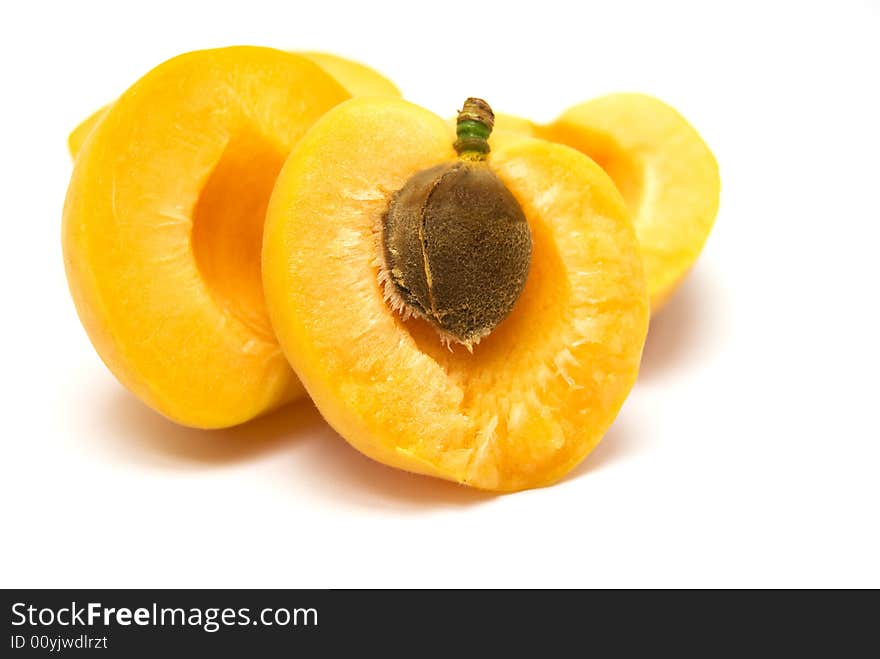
(163,224)
(661,165)
(536,394)
(666,173)
(357,79)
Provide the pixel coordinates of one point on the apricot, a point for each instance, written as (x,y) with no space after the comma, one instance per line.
(162,229)
(358,79)
(666,173)
(537,393)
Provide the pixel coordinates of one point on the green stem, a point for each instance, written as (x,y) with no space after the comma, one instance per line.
(475,122)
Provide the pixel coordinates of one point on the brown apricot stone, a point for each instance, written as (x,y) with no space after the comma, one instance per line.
(457,248)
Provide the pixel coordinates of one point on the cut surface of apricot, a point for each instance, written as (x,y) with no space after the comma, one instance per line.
(162,229)
(357,79)
(666,173)
(535,395)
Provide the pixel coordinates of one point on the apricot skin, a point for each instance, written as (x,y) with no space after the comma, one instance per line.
(539,392)
(162,228)
(662,167)
(357,79)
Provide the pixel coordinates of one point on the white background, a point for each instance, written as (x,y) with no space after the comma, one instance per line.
(748,453)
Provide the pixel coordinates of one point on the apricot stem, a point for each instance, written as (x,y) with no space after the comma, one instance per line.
(474,125)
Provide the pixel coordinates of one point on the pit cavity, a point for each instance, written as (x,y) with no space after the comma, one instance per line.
(227,231)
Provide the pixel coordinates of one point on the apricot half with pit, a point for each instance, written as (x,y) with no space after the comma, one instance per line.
(163,224)
(357,79)
(662,167)
(493,351)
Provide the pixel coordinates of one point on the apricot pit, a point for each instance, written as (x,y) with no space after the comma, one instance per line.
(456,244)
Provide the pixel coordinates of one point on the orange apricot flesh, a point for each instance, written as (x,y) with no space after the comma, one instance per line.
(162,229)
(538,393)
(357,79)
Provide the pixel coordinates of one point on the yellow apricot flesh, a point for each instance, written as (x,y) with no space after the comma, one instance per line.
(162,229)
(539,392)
(357,79)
